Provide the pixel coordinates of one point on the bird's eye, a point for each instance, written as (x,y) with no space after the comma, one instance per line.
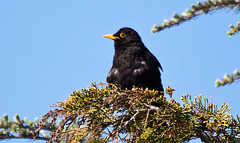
(122,35)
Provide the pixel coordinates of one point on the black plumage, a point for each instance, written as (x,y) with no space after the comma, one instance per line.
(133,63)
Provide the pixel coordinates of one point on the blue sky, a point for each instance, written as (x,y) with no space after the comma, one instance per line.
(48,49)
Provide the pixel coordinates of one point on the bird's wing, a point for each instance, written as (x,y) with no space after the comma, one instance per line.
(154,59)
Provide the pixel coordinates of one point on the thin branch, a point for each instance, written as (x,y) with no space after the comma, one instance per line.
(23,137)
(197,10)
(228,79)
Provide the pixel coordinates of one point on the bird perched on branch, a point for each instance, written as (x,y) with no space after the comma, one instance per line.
(133,63)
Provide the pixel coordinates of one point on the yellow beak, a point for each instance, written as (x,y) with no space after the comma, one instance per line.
(111,37)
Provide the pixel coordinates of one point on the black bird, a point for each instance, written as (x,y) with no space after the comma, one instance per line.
(133,63)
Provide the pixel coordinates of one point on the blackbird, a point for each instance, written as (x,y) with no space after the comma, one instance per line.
(133,63)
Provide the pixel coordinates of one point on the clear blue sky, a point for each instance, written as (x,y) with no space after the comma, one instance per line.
(48,49)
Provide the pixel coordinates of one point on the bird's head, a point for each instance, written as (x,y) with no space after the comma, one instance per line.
(125,36)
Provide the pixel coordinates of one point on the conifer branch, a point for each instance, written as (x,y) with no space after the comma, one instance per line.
(234,29)
(228,79)
(111,114)
(197,10)
(22,128)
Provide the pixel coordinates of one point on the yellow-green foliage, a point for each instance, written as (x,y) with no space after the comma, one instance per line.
(234,29)
(106,113)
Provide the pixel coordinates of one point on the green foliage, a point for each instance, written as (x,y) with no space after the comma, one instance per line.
(107,113)
(216,124)
(234,29)
(198,9)
(20,128)
(228,79)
